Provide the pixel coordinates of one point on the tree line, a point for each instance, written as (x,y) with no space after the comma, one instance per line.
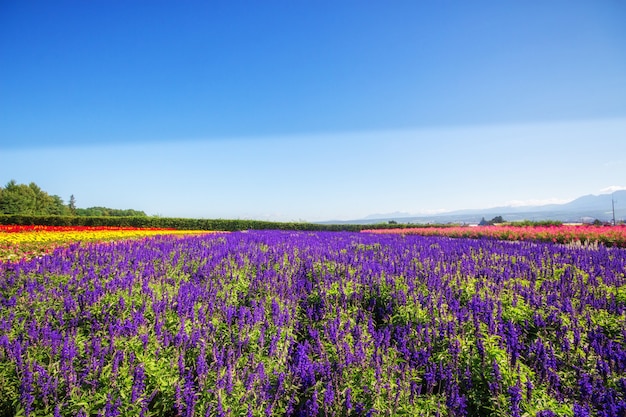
(31,200)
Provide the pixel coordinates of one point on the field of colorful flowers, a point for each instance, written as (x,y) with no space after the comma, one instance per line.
(19,242)
(268,323)
(606,235)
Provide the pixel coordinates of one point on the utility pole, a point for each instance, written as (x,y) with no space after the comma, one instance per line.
(613,206)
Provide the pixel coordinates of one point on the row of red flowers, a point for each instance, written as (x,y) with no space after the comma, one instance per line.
(607,235)
(37,228)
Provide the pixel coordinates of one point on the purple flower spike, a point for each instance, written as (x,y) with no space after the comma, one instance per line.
(348,402)
(515,394)
(138,383)
(329,396)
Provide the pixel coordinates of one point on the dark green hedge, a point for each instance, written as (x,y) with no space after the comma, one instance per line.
(189,224)
(165,222)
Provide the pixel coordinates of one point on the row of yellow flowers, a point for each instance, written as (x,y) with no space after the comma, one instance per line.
(35,242)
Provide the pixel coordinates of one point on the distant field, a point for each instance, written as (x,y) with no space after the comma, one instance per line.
(584,234)
(314,324)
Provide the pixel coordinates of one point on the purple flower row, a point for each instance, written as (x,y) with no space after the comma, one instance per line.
(307,324)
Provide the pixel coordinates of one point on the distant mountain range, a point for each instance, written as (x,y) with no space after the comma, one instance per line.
(583,209)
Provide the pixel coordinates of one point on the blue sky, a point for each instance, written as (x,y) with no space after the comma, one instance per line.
(313,110)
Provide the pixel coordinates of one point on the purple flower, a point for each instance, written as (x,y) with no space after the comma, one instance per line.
(111,409)
(494,385)
(138,383)
(545,413)
(515,394)
(585,386)
(312,405)
(329,396)
(469,293)
(118,357)
(581,411)
(27,390)
(456,402)
(189,396)
(348,403)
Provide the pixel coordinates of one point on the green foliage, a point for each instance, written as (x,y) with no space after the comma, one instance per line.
(106,212)
(72,205)
(29,200)
(9,395)
(495,220)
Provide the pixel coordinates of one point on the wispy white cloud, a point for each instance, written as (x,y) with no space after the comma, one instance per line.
(612,189)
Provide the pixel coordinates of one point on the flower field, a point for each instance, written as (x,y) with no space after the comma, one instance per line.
(268,323)
(18,242)
(606,235)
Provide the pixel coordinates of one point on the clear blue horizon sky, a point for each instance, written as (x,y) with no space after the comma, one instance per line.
(313,110)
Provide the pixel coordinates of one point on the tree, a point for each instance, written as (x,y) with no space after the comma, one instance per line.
(32,200)
(29,200)
(40,198)
(495,220)
(72,205)
(109,212)
(57,207)
(17,199)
